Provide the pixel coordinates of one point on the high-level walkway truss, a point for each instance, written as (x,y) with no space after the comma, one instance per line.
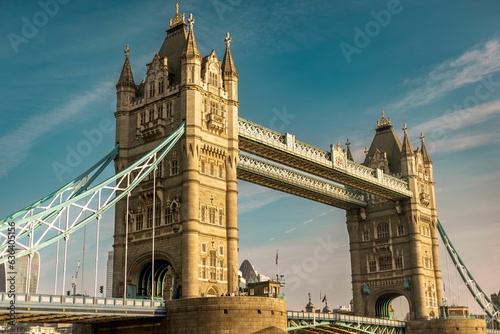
(333,166)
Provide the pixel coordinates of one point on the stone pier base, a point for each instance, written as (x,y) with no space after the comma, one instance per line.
(227,315)
(446,326)
(221,315)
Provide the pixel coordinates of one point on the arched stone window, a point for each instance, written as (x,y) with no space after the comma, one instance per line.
(366,235)
(383,231)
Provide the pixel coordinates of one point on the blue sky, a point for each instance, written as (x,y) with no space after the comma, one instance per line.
(321,70)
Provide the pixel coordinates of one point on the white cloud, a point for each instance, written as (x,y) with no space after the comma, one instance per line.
(451,74)
(461,118)
(252,197)
(460,143)
(447,132)
(15,146)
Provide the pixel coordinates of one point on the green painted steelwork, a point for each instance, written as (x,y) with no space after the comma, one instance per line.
(119,186)
(74,187)
(481,298)
(305,320)
(100,166)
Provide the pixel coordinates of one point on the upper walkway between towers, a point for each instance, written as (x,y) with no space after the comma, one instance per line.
(334,165)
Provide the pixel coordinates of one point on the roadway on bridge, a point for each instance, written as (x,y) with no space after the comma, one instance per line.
(76,309)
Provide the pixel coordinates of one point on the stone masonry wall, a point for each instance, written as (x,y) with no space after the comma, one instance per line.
(226,315)
(448,326)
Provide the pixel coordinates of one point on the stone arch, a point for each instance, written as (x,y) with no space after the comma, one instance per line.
(164,283)
(382,304)
(139,276)
(212,291)
(135,265)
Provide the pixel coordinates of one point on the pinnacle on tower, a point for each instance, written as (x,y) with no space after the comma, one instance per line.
(126,76)
(425,155)
(384,122)
(406,149)
(191,49)
(228,67)
(348,152)
(177,19)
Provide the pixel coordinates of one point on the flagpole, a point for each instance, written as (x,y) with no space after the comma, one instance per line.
(278,265)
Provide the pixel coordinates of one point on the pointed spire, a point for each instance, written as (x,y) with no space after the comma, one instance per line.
(126,51)
(191,21)
(126,77)
(228,67)
(406,148)
(349,154)
(191,50)
(425,155)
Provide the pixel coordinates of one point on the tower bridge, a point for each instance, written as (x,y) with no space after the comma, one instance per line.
(180,149)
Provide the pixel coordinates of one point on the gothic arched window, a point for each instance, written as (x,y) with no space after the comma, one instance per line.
(383,231)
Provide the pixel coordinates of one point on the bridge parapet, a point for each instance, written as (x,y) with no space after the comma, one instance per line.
(253,130)
(337,167)
(57,308)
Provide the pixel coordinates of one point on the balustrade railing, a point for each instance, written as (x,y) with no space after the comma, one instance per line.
(84,301)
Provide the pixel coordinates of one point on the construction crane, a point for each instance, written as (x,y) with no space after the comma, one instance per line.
(74,278)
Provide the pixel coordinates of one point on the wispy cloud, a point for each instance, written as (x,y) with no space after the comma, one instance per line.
(297,227)
(464,142)
(275,18)
(15,146)
(252,197)
(451,74)
(461,118)
(448,132)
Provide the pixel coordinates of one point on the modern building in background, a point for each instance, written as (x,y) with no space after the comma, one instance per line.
(109,274)
(22,270)
(249,273)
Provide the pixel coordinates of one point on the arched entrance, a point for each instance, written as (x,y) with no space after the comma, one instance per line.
(401,308)
(164,283)
(392,306)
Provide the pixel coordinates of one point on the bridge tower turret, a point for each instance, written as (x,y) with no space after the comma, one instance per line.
(125,92)
(394,244)
(189,205)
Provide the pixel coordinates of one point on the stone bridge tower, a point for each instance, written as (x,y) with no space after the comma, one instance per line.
(189,205)
(394,245)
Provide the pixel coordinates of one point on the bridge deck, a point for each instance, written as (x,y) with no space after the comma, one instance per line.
(76,309)
(308,322)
